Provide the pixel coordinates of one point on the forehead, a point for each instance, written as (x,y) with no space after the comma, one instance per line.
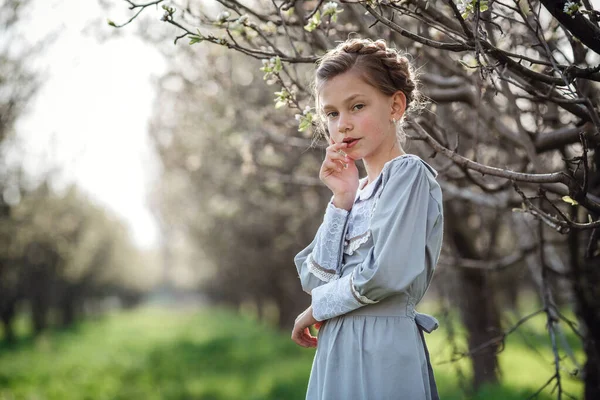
(337,89)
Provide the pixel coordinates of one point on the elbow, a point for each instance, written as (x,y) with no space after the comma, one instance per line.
(308,282)
(303,274)
(377,288)
(307,289)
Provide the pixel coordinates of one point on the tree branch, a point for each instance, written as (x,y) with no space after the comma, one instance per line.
(577,24)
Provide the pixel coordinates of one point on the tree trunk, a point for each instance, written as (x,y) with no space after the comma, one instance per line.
(586,290)
(68,310)
(260,308)
(586,285)
(39,312)
(288,311)
(8,314)
(480,317)
(478,309)
(287,302)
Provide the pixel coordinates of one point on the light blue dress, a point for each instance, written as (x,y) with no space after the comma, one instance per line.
(366,270)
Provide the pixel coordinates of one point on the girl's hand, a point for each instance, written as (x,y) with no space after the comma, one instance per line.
(340,174)
(301,334)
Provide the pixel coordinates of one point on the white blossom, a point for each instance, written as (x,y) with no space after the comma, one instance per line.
(571,8)
(331,6)
(223,16)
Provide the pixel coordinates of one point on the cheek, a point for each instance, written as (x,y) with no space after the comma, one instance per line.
(330,128)
(371,124)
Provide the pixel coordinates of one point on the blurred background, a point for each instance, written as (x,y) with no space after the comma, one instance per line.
(159,171)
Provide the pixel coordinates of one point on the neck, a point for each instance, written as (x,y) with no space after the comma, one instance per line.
(375,162)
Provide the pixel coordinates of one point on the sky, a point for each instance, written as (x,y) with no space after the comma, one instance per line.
(91,115)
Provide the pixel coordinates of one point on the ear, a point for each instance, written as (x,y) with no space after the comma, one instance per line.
(398,105)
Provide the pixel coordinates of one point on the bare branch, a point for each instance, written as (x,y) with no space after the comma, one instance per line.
(133,7)
(577,24)
(491,265)
(556,177)
(428,42)
(561,226)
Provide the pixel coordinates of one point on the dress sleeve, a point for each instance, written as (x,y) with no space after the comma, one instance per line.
(398,256)
(320,262)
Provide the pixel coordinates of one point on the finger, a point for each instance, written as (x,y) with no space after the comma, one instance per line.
(303,338)
(330,167)
(333,165)
(338,161)
(335,148)
(296,337)
(351,162)
(337,156)
(302,341)
(309,339)
(307,334)
(318,325)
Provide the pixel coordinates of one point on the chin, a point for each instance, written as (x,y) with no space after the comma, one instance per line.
(356,156)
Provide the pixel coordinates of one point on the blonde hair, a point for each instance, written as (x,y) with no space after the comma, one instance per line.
(379,65)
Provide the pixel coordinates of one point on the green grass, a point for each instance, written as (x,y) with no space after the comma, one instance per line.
(526,362)
(154,353)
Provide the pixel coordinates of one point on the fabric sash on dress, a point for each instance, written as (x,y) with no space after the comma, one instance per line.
(428,324)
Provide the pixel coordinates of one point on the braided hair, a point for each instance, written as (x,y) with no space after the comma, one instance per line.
(379,65)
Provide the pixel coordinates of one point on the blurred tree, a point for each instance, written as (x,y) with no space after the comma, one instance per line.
(59,253)
(513,113)
(17,81)
(235,193)
(17,86)
(65,251)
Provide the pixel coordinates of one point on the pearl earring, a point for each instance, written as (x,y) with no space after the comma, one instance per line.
(394,121)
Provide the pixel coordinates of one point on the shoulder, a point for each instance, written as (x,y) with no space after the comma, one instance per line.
(405,169)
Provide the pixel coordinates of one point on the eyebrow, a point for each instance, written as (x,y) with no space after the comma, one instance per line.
(348,100)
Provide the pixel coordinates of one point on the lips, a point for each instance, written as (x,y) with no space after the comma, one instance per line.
(350,142)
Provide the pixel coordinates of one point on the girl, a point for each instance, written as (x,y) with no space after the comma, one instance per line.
(374,255)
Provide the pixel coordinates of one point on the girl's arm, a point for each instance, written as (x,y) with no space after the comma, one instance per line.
(320,262)
(399,255)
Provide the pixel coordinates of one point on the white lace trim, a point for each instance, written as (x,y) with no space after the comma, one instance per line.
(326,253)
(326,275)
(336,298)
(359,223)
(333,299)
(362,299)
(367,191)
(356,242)
(359,219)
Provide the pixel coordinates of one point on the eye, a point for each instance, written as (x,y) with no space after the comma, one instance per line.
(332,114)
(358,107)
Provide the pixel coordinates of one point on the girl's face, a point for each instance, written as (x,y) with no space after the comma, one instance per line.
(359,114)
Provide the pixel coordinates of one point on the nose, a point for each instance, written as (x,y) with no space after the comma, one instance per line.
(344,124)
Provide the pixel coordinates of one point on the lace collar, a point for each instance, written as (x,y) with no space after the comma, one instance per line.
(368,189)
